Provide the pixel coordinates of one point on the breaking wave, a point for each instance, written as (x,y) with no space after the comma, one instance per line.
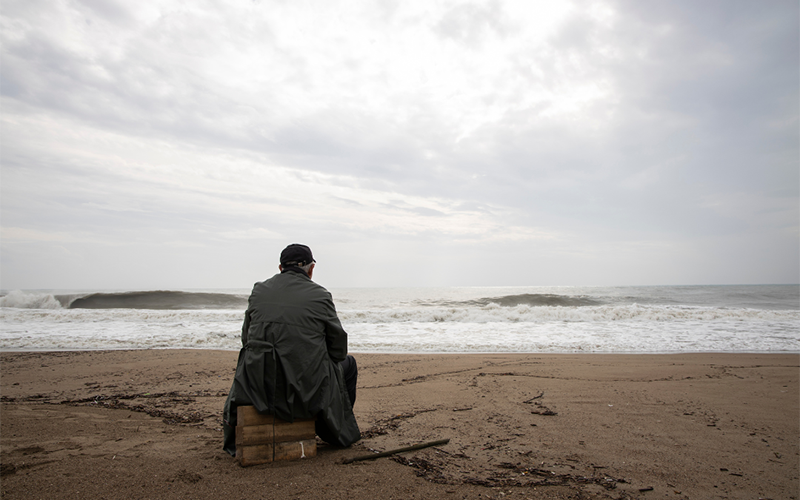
(24,300)
(159,299)
(529,299)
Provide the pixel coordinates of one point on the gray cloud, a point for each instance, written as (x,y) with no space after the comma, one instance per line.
(666,130)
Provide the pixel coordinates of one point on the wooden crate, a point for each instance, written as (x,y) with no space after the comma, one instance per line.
(264,438)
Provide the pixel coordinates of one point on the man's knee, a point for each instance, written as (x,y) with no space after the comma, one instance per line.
(349,367)
(350,370)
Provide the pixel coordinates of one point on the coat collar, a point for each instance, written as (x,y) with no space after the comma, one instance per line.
(294,269)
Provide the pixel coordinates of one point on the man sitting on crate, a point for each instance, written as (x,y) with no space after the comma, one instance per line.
(294,361)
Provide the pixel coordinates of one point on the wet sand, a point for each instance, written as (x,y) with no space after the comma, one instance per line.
(147,424)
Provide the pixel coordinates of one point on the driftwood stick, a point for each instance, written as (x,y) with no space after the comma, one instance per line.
(399,450)
(529,401)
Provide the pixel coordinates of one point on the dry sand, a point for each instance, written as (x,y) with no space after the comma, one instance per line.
(146,424)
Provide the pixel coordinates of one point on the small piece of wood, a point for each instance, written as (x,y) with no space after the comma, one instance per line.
(399,450)
(253,455)
(248,415)
(529,401)
(292,450)
(248,435)
(298,430)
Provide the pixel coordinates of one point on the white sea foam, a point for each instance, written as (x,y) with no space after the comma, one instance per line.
(24,300)
(603,329)
(522,314)
(442,320)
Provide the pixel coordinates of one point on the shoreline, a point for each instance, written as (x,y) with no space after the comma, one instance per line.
(423,353)
(521,425)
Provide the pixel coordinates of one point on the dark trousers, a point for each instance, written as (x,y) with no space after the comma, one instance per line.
(350,369)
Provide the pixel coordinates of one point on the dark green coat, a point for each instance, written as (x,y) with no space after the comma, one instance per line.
(288,366)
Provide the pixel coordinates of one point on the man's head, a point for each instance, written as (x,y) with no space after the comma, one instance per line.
(297,255)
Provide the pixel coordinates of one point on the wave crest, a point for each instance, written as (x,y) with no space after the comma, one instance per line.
(23,300)
(160,299)
(536,299)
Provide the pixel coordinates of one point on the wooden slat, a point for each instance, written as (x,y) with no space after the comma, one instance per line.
(248,415)
(248,435)
(252,455)
(295,449)
(299,430)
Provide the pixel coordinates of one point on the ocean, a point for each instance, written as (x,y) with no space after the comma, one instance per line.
(648,319)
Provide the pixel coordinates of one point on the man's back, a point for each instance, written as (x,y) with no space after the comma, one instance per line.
(289,365)
(289,325)
(289,308)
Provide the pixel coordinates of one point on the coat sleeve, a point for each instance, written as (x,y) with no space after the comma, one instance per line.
(335,336)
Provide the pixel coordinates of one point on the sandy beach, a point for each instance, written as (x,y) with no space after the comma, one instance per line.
(147,424)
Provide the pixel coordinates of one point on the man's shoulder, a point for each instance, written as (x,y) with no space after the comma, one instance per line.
(294,281)
(313,288)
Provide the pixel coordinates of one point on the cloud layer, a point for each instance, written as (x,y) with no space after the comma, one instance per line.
(183,144)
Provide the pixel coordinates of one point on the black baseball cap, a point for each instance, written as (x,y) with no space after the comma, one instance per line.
(296,255)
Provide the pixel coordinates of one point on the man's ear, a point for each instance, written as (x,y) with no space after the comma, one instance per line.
(280,268)
(311,270)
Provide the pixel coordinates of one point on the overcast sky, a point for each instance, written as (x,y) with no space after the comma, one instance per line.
(410,143)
